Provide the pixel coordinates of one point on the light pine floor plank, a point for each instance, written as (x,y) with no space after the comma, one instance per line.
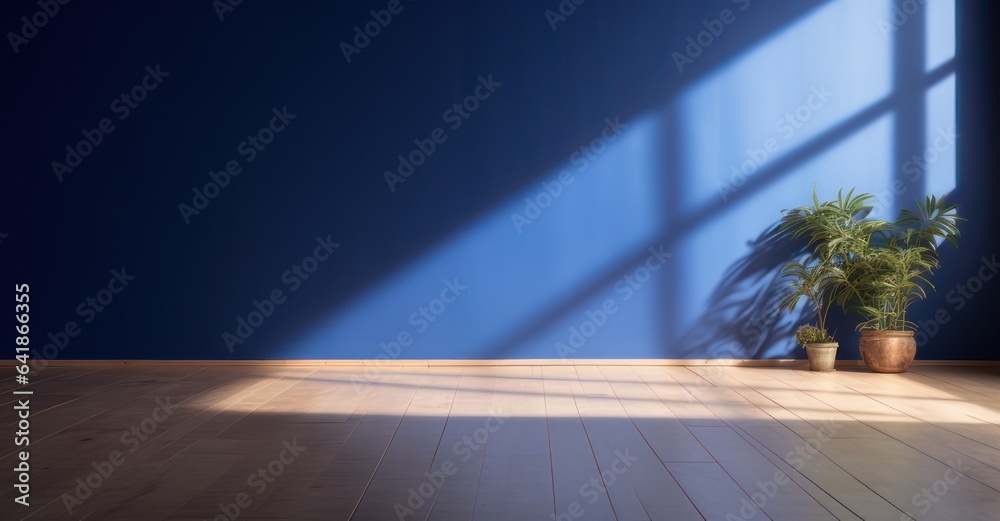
(473,413)
(156,459)
(794,451)
(516,480)
(407,466)
(347,477)
(515,443)
(627,461)
(669,438)
(576,476)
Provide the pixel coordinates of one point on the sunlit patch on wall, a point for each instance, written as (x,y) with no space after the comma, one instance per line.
(780,94)
(940,22)
(529,256)
(937,163)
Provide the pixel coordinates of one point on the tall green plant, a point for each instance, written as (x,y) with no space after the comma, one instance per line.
(890,271)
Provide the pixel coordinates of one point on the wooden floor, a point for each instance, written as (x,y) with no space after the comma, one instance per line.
(508,443)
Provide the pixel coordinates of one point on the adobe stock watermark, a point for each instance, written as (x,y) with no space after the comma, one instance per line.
(224,7)
(915,168)
(363,36)
(87,309)
(741,347)
(900,14)
(47,10)
(22,438)
(566,9)
(132,437)
(626,287)
(714,28)
(122,107)
(797,458)
(786,127)
(596,486)
(454,116)
(249,148)
(461,451)
(958,297)
(535,205)
(763,320)
(293,279)
(928,496)
(731,350)
(750,334)
(421,319)
(260,480)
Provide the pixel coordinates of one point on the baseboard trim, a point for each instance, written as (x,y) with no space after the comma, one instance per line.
(782,362)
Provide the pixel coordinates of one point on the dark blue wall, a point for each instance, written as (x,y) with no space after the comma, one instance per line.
(592,115)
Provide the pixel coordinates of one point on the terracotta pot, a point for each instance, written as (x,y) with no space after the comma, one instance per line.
(822,357)
(887,351)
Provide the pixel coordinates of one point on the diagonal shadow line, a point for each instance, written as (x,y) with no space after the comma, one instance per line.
(702,68)
(815,146)
(692,221)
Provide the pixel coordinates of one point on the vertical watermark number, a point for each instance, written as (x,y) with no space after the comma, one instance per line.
(22,404)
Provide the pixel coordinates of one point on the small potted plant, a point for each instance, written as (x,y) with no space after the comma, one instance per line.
(819,346)
(814,282)
(815,277)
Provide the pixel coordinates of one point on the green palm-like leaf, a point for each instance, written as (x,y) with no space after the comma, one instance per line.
(874,267)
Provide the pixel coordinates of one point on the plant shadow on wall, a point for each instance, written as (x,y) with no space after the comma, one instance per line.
(831,253)
(743,316)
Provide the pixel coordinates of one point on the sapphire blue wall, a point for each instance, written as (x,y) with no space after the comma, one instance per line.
(473,180)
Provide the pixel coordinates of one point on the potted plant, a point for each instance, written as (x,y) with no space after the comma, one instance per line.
(819,346)
(815,277)
(875,267)
(885,269)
